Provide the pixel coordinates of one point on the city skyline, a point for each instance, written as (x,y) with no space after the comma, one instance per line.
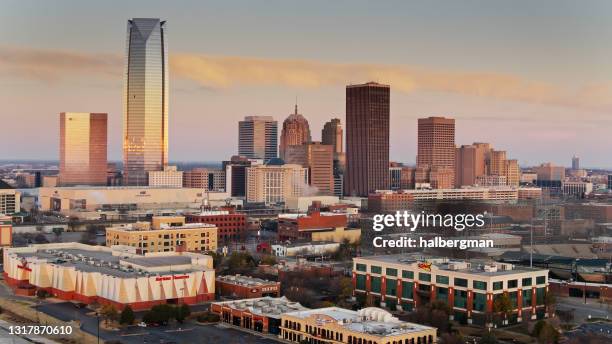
(513,103)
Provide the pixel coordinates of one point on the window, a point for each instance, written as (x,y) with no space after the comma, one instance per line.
(479,285)
(541,279)
(526,282)
(461,282)
(442,279)
(424,277)
(360,267)
(391,287)
(512,284)
(375,269)
(407,289)
(391,272)
(460,298)
(407,274)
(360,282)
(375,284)
(480,301)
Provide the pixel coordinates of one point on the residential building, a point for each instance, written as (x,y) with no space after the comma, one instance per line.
(10,199)
(83,140)
(230,225)
(145,119)
(258,137)
(169,177)
(367,138)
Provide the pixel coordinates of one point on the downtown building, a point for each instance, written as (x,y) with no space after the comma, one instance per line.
(258,137)
(83,148)
(10,199)
(246,287)
(470,288)
(332,134)
(318,158)
(230,224)
(145,120)
(436,151)
(169,177)
(110,275)
(295,132)
(367,138)
(275,182)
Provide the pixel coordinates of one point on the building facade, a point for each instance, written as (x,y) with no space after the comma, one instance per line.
(318,158)
(436,142)
(230,225)
(169,177)
(245,287)
(274,183)
(295,132)
(6,231)
(145,119)
(367,138)
(83,140)
(258,137)
(10,199)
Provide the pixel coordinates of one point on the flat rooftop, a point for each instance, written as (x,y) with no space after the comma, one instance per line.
(272,307)
(373,321)
(246,281)
(474,266)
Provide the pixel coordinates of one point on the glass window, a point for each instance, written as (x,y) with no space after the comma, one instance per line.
(512,284)
(375,284)
(460,298)
(361,267)
(391,287)
(360,282)
(526,282)
(498,285)
(442,279)
(424,277)
(541,279)
(480,302)
(461,282)
(407,274)
(407,289)
(391,272)
(527,298)
(479,285)
(375,269)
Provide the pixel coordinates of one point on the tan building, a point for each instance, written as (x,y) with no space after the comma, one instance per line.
(50,181)
(258,137)
(295,132)
(10,199)
(83,140)
(491,180)
(548,171)
(470,163)
(169,177)
(6,231)
(339,325)
(318,158)
(274,183)
(164,234)
(513,172)
(196,178)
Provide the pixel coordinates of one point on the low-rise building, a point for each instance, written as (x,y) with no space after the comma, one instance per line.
(164,234)
(230,225)
(245,287)
(9,199)
(261,314)
(169,177)
(110,275)
(307,248)
(470,288)
(316,226)
(339,325)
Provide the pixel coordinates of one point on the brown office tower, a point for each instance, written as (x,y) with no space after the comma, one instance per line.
(470,163)
(83,148)
(332,135)
(367,139)
(318,158)
(295,132)
(436,142)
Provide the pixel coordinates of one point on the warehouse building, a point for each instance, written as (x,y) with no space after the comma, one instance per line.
(110,275)
(470,288)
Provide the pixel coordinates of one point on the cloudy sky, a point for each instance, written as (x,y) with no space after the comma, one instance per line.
(531,77)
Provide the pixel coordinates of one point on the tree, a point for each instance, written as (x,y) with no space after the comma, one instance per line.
(58,232)
(160,314)
(545,333)
(109,313)
(268,260)
(182,312)
(127,316)
(42,294)
(503,305)
(488,338)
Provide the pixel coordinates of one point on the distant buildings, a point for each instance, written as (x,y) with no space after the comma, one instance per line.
(469,288)
(145,121)
(196,178)
(480,164)
(316,248)
(83,148)
(575,163)
(332,134)
(318,158)
(169,177)
(367,138)
(295,132)
(274,182)
(550,172)
(578,189)
(436,142)
(235,175)
(164,234)
(10,199)
(257,137)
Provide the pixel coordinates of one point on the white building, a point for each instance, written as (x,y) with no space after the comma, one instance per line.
(169,177)
(310,248)
(577,188)
(274,183)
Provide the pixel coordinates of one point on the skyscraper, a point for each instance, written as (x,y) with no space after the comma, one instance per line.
(295,132)
(367,138)
(83,140)
(436,142)
(258,137)
(318,158)
(145,121)
(332,134)
(575,163)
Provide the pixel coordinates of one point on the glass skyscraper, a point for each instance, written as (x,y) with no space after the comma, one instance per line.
(145,126)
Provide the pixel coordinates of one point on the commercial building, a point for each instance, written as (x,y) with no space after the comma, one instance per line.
(230,225)
(577,188)
(470,288)
(389,201)
(164,234)
(575,163)
(261,314)
(550,172)
(145,98)
(274,182)
(105,275)
(10,199)
(491,180)
(315,248)
(245,287)
(6,231)
(303,203)
(470,163)
(169,177)
(216,180)
(258,137)
(436,142)
(339,325)
(83,140)
(316,226)
(367,138)
(235,175)
(319,159)
(295,132)
(598,212)
(332,135)
(196,178)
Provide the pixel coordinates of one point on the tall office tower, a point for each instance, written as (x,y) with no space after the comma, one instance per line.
(497,163)
(436,142)
(575,163)
(318,158)
(332,134)
(295,132)
(367,138)
(145,120)
(83,148)
(258,137)
(513,172)
(470,163)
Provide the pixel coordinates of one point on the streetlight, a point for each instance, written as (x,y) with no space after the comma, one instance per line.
(98,318)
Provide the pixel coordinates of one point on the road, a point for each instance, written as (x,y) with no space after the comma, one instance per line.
(581,310)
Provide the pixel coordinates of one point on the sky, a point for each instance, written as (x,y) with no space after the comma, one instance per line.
(533,78)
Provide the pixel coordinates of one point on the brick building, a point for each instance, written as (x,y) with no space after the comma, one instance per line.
(245,287)
(230,225)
